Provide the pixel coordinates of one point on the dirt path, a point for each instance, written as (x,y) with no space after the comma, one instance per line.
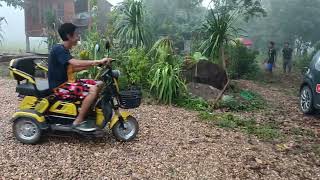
(172,144)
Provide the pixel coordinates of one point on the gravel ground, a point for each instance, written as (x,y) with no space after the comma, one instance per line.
(172,144)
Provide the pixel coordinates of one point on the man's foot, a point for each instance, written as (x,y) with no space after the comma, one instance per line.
(83,127)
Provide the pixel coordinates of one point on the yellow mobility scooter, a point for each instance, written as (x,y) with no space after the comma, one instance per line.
(40,112)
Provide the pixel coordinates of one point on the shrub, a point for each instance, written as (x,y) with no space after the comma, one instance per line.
(242,62)
(135,66)
(302,61)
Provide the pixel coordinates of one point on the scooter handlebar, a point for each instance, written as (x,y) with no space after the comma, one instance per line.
(113,60)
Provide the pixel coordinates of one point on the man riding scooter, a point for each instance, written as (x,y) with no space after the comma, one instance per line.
(60,61)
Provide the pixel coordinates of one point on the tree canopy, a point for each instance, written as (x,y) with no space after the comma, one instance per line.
(287,20)
(14,3)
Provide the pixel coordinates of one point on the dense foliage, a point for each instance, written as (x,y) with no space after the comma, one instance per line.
(242,62)
(14,3)
(135,66)
(288,20)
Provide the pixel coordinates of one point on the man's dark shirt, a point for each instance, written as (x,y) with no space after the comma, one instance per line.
(287,53)
(58,64)
(272,56)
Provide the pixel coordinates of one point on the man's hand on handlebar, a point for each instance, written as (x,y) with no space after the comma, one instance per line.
(106,61)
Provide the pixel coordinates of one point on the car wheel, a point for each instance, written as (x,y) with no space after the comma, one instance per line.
(306,100)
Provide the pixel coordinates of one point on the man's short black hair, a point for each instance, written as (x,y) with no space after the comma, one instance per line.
(65,30)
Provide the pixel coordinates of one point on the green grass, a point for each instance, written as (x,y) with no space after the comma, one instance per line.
(265,131)
(192,103)
(302,132)
(243,101)
(316,149)
(206,116)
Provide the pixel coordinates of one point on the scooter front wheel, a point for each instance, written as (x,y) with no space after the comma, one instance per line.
(127,130)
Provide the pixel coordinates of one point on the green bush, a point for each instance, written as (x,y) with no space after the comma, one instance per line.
(302,61)
(135,66)
(242,62)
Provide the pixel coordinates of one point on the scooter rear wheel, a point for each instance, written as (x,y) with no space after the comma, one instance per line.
(26,130)
(126,132)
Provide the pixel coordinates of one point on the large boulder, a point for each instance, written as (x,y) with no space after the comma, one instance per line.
(206,72)
(205,91)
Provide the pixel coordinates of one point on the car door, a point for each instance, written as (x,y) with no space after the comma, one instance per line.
(315,79)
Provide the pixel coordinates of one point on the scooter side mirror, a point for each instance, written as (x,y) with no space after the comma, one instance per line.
(97,48)
(108,45)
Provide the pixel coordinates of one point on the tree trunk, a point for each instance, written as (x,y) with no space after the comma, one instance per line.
(223,60)
(27,43)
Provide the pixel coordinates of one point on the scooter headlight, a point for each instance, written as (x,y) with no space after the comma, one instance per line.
(116,73)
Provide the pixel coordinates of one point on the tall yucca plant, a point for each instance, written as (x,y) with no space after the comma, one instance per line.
(162,50)
(166,82)
(2,20)
(130,29)
(220,30)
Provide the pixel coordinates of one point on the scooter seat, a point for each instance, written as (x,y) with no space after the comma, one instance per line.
(41,90)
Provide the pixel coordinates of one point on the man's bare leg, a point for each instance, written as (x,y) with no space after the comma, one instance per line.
(87,102)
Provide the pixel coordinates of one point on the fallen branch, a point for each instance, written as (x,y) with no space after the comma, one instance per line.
(220,94)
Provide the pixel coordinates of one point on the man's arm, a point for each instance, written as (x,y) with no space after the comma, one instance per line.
(85,64)
(78,69)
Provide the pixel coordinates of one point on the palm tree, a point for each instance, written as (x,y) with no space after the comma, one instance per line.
(219,29)
(2,19)
(130,29)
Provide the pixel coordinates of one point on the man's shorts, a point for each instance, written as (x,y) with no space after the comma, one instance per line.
(269,67)
(75,91)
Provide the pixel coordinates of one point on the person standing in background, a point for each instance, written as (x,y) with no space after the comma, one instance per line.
(287,58)
(272,57)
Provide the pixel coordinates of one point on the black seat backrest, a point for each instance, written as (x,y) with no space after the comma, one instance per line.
(26,65)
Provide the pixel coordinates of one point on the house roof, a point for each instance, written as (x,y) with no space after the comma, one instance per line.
(109,3)
(246,42)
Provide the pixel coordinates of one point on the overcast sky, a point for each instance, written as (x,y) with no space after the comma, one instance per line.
(14,30)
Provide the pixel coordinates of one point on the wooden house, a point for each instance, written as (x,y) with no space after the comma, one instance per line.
(75,11)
